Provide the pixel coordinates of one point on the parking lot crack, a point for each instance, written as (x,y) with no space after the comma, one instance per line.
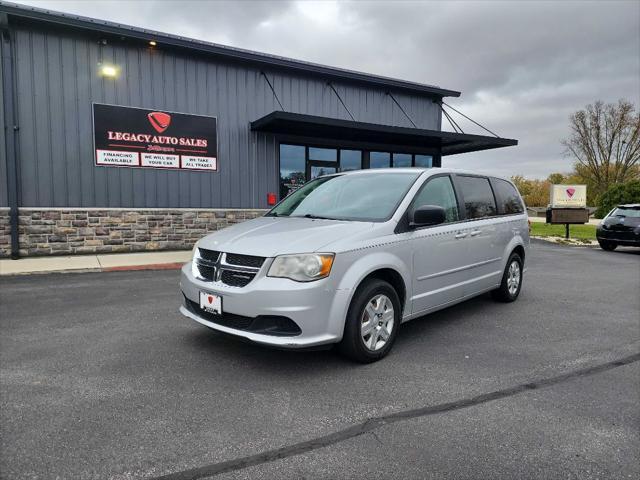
(375,435)
(369,425)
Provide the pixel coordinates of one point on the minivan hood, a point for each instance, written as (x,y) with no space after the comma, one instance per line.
(271,236)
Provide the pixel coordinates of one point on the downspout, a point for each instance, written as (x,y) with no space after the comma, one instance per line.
(11,131)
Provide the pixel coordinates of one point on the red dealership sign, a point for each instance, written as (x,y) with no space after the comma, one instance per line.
(135,137)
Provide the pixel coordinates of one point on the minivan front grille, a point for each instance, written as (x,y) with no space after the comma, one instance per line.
(232,269)
(206,272)
(209,255)
(244,260)
(236,279)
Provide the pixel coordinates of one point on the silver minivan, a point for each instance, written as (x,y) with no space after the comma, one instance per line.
(347,258)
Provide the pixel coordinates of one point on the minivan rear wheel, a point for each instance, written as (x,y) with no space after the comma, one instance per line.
(372,322)
(511,284)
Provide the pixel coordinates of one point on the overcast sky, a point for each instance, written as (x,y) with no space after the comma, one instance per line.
(522,67)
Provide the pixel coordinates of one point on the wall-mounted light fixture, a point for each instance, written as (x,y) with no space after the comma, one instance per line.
(109,71)
(152,43)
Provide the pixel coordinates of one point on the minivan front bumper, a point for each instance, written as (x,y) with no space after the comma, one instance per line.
(317,308)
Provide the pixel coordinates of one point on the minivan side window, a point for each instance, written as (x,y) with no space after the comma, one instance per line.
(438,191)
(508,197)
(479,201)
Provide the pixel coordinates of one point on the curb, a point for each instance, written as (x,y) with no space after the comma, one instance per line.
(562,242)
(151,266)
(122,268)
(45,272)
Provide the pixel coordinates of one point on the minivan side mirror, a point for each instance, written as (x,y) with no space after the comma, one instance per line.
(427,215)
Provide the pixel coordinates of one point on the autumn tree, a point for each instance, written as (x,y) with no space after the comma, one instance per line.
(535,193)
(605,143)
(556,178)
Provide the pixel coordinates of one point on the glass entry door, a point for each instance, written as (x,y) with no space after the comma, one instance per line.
(321,161)
(316,169)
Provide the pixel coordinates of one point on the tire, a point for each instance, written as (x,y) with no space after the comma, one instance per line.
(506,292)
(357,345)
(608,246)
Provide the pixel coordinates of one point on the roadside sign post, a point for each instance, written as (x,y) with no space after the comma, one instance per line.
(568,206)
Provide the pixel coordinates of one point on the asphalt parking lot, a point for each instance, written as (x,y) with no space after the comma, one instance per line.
(102,378)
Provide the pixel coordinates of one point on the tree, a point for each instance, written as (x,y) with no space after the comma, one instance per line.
(535,193)
(622,193)
(556,178)
(605,142)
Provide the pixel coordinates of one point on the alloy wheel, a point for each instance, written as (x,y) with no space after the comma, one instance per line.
(378,321)
(513,278)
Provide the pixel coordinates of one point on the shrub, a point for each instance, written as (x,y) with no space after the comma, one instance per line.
(622,193)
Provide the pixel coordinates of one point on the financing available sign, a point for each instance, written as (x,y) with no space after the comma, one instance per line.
(136,137)
(568,196)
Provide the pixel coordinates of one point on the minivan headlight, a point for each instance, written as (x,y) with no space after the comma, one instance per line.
(302,268)
(195,256)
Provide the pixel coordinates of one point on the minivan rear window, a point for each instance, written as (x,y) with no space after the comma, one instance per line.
(479,201)
(508,197)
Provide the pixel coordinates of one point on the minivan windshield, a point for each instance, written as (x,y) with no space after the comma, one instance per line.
(361,197)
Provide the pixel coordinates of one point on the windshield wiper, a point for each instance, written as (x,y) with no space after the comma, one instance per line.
(314,217)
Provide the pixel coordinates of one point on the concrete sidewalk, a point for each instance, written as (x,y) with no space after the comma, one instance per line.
(97,263)
(592,221)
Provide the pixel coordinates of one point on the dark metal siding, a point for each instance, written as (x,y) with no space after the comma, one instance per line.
(57,82)
(4,198)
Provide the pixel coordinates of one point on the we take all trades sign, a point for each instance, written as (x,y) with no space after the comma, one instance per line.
(136,137)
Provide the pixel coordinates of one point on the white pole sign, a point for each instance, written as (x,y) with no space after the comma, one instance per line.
(569,196)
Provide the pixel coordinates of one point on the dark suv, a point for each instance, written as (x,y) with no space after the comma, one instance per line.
(620,227)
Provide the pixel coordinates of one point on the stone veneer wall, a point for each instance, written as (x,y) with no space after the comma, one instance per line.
(5,233)
(66,231)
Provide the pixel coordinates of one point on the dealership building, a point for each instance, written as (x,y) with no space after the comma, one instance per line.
(121,139)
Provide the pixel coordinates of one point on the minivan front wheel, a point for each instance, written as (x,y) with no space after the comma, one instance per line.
(511,284)
(372,322)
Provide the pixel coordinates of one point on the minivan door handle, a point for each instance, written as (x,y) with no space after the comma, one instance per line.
(461,235)
(475,232)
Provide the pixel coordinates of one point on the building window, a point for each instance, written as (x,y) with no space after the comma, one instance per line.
(350,160)
(323,154)
(379,160)
(425,161)
(401,160)
(292,168)
(301,163)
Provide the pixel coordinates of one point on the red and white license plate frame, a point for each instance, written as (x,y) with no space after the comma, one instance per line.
(211,303)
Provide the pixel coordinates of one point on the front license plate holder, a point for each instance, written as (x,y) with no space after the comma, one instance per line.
(211,303)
